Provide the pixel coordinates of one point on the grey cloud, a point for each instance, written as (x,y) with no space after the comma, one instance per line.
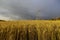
(29,9)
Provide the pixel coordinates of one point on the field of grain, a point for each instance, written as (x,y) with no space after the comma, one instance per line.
(30,30)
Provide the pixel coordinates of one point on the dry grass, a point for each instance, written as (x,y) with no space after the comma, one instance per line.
(30,30)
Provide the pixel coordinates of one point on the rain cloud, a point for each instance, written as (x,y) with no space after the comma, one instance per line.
(29,9)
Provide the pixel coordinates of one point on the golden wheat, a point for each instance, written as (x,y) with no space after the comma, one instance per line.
(30,30)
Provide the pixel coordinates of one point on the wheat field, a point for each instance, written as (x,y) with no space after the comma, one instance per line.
(30,30)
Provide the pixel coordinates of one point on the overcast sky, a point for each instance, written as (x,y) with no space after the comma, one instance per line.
(29,9)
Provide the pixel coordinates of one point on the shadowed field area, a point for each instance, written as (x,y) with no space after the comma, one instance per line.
(30,30)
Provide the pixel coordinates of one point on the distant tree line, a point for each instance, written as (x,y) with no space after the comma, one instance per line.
(57,18)
(2,20)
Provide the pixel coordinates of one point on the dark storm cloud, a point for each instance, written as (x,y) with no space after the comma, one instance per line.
(29,9)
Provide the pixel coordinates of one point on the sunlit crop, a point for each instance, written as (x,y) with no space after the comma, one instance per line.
(30,30)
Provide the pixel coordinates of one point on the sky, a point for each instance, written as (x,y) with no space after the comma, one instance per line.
(29,9)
